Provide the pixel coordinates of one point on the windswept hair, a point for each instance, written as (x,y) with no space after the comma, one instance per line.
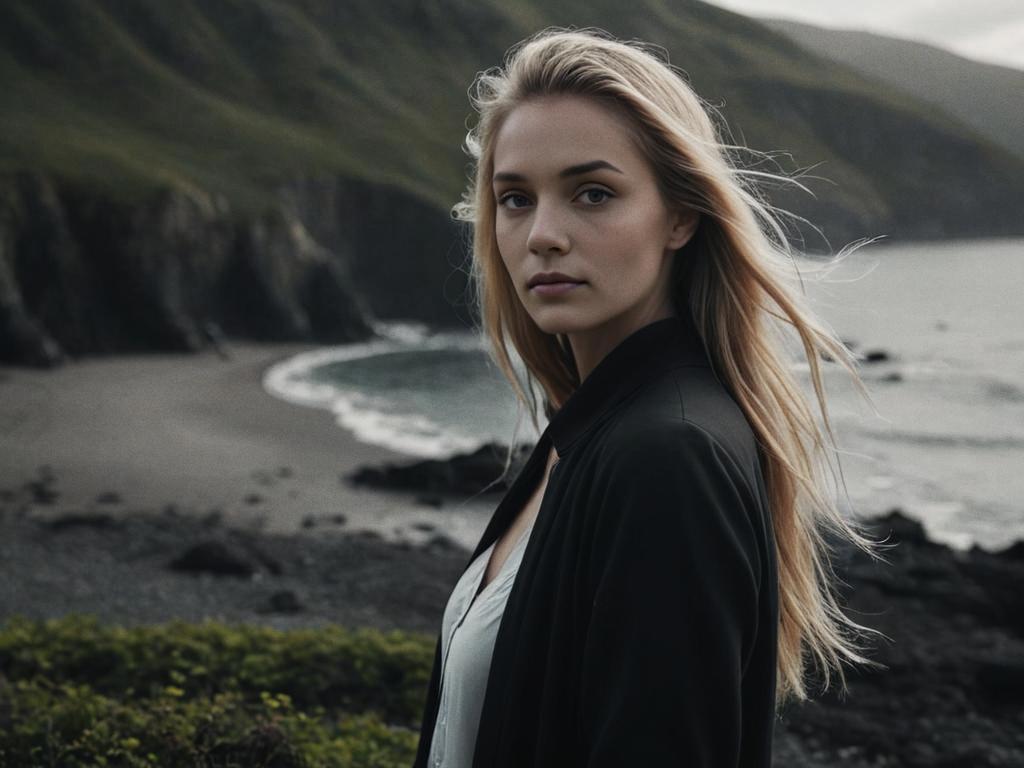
(736,276)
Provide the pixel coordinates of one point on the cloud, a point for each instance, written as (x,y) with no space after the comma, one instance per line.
(954,20)
(1004,44)
(989,30)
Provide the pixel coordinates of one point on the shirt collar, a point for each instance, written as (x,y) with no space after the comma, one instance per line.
(645,354)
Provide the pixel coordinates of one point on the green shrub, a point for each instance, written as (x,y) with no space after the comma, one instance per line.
(74,693)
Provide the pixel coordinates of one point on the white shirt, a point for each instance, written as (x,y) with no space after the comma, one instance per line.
(468,633)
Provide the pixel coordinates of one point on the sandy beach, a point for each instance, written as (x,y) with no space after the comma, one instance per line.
(111,468)
(198,433)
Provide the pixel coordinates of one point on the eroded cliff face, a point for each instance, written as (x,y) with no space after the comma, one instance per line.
(406,258)
(81,274)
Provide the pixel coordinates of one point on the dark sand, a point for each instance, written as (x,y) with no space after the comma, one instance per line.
(112,467)
(140,433)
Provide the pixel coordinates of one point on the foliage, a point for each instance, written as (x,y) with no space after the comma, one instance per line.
(74,692)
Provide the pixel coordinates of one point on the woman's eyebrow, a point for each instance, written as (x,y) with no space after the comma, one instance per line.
(572,170)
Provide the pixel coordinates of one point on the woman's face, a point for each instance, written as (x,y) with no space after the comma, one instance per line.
(575,195)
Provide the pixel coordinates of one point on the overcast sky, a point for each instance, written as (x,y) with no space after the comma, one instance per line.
(987,30)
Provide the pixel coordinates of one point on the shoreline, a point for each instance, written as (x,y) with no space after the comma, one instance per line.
(199,434)
(194,433)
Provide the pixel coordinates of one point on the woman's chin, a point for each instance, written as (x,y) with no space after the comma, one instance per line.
(564,322)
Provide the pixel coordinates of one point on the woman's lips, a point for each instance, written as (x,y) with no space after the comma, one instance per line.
(554,289)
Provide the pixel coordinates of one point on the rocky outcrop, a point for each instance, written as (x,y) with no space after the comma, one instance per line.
(952,691)
(481,471)
(81,273)
(406,255)
(23,338)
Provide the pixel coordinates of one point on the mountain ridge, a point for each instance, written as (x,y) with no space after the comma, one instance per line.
(343,125)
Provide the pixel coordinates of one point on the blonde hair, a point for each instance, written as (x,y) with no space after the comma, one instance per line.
(732,277)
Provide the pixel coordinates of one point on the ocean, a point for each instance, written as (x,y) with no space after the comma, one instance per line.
(946,444)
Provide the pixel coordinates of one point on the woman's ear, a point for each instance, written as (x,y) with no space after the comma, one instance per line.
(684,224)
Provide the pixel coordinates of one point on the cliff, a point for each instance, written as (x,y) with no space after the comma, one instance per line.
(81,273)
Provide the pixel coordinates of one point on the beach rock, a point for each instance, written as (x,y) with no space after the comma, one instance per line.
(42,491)
(285,601)
(368,535)
(81,519)
(953,648)
(898,527)
(462,474)
(263,477)
(876,356)
(213,557)
(1013,553)
(268,561)
(441,543)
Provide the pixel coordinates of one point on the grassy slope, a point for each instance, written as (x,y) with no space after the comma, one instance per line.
(230,96)
(987,97)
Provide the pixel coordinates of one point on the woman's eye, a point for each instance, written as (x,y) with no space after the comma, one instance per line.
(594,190)
(509,196)
(587,194)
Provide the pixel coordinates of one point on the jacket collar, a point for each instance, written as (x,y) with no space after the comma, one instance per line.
(645,354)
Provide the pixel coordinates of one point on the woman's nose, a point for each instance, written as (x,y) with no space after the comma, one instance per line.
(548,231)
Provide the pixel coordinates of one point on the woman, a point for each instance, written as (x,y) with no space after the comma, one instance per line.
(645,592)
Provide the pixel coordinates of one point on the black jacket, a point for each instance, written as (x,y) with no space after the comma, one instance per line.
(641,629)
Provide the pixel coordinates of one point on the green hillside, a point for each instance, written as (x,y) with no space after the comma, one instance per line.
(235,96)
(987,97)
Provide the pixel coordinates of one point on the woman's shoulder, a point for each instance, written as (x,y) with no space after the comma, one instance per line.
(687,409)
(684,479)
